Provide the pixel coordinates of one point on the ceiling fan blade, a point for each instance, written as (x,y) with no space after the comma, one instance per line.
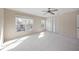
(50,11)
(53,13)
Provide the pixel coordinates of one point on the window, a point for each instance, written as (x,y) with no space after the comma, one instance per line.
(23,24)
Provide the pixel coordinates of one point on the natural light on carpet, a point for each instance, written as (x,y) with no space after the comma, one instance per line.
(42,34)
(15,43)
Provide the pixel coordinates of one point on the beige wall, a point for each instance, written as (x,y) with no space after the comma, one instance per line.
(1,26)
(10,26)
(66,24)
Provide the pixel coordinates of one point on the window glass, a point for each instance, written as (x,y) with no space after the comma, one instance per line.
(23,24)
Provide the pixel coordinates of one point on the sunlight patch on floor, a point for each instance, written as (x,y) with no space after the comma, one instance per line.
(9,42)
(42,34)
(15,43)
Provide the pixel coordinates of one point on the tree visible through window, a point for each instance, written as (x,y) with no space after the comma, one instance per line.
(23,24)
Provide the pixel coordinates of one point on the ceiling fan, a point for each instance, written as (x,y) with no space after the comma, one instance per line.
(51,11)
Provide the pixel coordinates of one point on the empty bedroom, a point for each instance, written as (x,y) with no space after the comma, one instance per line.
(39,29)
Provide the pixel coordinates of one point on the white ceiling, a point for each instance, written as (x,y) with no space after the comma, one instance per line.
(38,11)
